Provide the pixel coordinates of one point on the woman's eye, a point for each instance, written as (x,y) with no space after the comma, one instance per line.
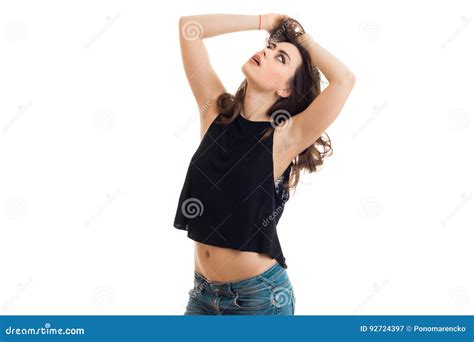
(283,60)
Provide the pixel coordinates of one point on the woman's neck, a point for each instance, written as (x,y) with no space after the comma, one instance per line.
(256,104)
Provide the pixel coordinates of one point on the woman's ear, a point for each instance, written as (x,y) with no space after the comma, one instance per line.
(284,92)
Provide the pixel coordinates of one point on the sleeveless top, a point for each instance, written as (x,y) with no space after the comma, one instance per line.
(229,198)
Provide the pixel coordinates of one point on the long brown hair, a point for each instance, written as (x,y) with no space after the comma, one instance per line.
(305,86)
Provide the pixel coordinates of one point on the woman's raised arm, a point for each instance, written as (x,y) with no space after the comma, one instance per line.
(203,80)
(310,124)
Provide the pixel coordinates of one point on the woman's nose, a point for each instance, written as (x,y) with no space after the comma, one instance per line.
(266,51)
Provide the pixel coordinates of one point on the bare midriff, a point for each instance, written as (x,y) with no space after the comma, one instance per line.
(226,264)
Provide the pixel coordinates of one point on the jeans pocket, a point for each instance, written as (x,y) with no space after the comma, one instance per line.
(255,299)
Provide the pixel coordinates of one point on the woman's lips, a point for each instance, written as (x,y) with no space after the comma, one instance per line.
(254,61)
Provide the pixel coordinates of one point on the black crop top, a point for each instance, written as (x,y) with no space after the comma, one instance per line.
(229,198)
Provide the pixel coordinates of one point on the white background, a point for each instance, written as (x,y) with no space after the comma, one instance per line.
(97,125)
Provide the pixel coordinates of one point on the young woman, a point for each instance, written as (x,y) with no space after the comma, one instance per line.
(253,146)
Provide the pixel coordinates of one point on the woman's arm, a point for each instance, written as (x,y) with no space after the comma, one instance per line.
(306,127)
(210,25)
(203,80)
(332,68)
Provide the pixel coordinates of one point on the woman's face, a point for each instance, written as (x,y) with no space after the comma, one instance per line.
(277,64)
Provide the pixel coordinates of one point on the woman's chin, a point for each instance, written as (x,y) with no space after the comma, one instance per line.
(249,73)
(246,69)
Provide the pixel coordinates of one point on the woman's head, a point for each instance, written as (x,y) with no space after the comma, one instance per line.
(293,86)
(271,70)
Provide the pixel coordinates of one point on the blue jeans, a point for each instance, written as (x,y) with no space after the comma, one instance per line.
(268,293)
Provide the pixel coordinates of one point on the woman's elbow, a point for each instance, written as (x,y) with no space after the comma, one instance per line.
(348,79)
(183,20)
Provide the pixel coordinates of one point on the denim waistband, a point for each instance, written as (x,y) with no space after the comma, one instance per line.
(275,271)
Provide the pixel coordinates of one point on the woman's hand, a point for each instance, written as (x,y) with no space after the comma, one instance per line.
(272,20)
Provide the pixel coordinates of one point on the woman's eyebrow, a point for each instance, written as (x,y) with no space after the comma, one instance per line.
(282,51)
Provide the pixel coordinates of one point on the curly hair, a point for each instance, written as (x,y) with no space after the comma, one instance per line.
(305,85)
